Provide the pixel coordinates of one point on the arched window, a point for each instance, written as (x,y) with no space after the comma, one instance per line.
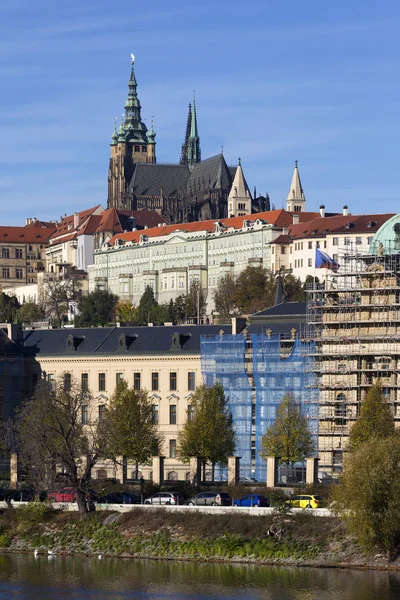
(101,474)
(187,476)
(172,476)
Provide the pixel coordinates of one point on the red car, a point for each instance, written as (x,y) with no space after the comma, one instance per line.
(67,494)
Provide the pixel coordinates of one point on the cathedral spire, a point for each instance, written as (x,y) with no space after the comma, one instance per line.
(194,152)
(135,129)
(296,201)
(184,152)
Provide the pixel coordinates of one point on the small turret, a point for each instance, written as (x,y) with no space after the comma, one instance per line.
(239,199)
(194,152)
(114,137)
(296,201)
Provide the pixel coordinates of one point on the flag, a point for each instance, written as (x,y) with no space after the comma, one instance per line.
(324,261)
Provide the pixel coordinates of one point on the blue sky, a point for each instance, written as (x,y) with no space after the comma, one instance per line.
(275,81)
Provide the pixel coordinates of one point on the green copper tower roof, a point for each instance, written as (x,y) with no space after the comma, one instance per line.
(114,137)
(151,134)
(135,129)
(387,238)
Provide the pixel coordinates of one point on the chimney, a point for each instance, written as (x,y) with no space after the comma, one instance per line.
(146,226)
(296,218)
(160,225)
(28,221)
(345,210)
(233,325)
(285,230)
(322,210)
(76,220)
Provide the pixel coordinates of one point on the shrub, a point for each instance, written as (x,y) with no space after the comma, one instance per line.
(33,513)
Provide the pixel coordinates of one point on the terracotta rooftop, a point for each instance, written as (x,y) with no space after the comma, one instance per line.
(25,235)
(279,218)
(67,224)
(321,226)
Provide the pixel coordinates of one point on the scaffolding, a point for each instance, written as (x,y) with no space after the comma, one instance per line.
(276,373)
(256,372)
(223,360)
(353,334)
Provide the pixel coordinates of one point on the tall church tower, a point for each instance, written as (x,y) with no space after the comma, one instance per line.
(130,145)
(296,200)
(193,146)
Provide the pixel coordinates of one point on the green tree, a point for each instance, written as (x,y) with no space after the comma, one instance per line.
(30,312)
(132,432)
(210,433)
(172,317)
(179,309)
(289,437)
(368,496)
(126,312)
(51,432)
(96,308)
(294,291)
(375,420)
(195,302)
(225,297)
(9,307)
(146,306)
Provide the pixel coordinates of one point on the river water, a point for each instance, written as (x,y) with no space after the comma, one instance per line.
(22,577)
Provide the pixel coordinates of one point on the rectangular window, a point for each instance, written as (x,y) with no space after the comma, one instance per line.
(172,448)
(155,414)
(172,381)
(85,382)
(102,382)
(154,382)
(335,257)
(18,253)
(191,380)
(347,241)
(310,262)
(172,414)
(358,240)
(67,382)
(85,414)
(6,273)
(283,250)
(190,412)
(18,273)
(52,381)
(102,412)
(317,244)
(136,381)
(369,239)
(335,241)
(5,252)
(118,378)
(310,245)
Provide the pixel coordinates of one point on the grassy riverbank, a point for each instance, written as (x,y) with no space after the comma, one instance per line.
(302,539)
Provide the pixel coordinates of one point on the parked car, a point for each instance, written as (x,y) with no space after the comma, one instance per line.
(252,500)
(165,498)
(247,480)
(66,494)
(210,499)
(305,501)
(119,498)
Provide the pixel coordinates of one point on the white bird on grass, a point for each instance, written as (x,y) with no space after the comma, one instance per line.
(100,556)
(36,553)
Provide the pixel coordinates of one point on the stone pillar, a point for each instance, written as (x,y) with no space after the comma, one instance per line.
(272,471)
(13,469)
(233,469)
(311,470)
(119,470)
(195,470)
(158,469)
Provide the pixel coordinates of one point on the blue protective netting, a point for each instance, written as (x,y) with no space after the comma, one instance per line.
(223,360)
(274,376)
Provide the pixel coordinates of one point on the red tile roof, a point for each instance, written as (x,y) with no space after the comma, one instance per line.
(25,235)
(67,224)
(279,218)
(321,226)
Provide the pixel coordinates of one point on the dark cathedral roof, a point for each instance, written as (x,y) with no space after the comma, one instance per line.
(148,179)
(211,173)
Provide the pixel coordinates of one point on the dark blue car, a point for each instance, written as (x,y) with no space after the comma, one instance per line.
(119,498)
(252,500)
